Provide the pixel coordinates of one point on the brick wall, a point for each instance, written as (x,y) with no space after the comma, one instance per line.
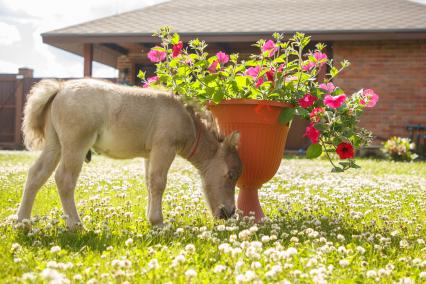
(396,70)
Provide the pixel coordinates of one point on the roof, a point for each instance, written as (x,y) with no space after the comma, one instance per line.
(246,20)
(252,16)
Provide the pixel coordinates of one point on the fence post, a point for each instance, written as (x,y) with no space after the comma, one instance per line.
(18,110)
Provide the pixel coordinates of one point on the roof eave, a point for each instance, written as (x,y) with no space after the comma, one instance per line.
(338,35)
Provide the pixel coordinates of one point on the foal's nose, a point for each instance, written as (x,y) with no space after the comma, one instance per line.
(225,214)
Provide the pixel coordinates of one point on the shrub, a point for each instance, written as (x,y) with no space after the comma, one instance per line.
(399,149)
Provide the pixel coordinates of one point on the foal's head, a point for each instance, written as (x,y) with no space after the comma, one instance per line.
(220,176)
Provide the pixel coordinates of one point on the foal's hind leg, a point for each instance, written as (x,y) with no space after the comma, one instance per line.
(66,179)
(160,160)
(39,173)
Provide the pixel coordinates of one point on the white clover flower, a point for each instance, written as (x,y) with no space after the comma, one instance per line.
(52,264)
(190,273)
(249,275)
(16,247)
(390,266)
(77,277)
(225,248)
(403,244)
(219,268)
(342,250)
(371,274)
(239,264)
(341,238)
(55,249)
(240,278)
(256,265)
(423,275)
(29,276)
(178,260)
(153,264)
(221,228)
(235,252)
(360,249)
(416,262)
(253,229)
(291,251)
(344,263)
(294,240)
(265,239)
(406,280)
(244,234)
(190,248)
(53,276)
(129,242)
(270,274)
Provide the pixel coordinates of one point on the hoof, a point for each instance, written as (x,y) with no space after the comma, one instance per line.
(23,225)
(76,228)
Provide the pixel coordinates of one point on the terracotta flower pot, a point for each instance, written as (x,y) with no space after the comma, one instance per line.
(262,143)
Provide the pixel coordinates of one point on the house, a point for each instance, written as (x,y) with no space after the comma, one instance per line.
(385,40)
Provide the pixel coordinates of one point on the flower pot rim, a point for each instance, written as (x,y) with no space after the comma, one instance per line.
(251,102)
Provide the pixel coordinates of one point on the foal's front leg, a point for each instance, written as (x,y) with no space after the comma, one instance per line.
(160,159)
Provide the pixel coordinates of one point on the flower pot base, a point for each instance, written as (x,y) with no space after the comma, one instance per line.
(248,201)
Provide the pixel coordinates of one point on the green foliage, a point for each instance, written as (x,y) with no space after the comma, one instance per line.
(314,151)
(399,149)
(286,115)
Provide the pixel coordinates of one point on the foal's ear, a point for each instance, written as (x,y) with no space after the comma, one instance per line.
(233,139)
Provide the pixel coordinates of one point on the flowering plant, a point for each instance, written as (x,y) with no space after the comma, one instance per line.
(281,71)
(399,149)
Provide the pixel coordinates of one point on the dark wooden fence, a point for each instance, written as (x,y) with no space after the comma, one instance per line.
(13,91)
(11,103)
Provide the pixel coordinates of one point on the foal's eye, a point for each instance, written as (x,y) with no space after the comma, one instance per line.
(232,175)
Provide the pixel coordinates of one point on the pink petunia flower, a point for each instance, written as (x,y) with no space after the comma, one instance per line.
(212,68)
(222,57)
(307,100)
(312,133)
(253,71)
(270,75)
(290,78)
(308,66)
(156,55)
(259,82)
(334,102)
(329,87)
(371,97)
(320,57)
(270,46)
(177,48)
(150,80)
(315,115)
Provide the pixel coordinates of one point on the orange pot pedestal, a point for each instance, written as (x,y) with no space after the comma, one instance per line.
(261,148)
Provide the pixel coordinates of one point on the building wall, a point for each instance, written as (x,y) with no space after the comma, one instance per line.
(396,70)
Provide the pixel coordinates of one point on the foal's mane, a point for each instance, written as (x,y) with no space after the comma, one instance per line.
(204,117)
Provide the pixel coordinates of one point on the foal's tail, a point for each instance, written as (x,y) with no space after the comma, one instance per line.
(39,98)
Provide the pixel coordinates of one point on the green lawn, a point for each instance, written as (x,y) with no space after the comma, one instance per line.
(363,226)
